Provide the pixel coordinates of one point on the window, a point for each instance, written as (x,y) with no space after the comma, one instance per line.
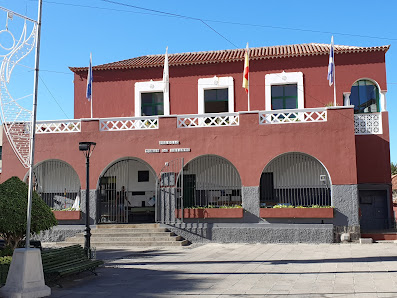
(152,104)
(365,97)
(1,151)
(284,97)
(143,176)
(150,99)
(284,91)
(216,100)
(216,95)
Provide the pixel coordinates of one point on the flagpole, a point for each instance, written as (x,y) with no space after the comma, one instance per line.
(334,81)
(91,83)
(249,108)
(33,127)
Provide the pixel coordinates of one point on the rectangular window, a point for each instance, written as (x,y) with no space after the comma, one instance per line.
(1,151)
(216,100)
(284,96)
(152,104)
(143,176)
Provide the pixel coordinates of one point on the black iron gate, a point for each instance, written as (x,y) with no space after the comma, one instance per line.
(169,192)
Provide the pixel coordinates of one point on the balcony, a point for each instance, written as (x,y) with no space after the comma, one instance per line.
(364,124)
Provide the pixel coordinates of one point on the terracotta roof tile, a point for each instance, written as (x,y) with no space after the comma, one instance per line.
(311,49)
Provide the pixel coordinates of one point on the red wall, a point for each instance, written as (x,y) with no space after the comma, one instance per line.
(373,156)
(249,146)
(113,90)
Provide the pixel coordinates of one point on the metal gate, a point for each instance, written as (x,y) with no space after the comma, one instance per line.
(296,179)
(169,192)
(126,193)
(57,183)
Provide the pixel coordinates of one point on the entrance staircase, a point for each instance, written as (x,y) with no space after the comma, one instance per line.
(128,235)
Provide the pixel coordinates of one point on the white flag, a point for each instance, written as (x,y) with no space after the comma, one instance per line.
(89,81)
(331,64)
(166,75)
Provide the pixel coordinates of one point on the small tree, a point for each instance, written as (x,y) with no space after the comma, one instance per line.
(13,209)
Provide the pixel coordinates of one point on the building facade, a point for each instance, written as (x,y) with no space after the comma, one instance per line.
(167,149)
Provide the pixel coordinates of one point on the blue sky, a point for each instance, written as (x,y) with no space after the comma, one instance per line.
(71,29)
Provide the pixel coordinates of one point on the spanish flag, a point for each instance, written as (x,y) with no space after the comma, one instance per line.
(246,70)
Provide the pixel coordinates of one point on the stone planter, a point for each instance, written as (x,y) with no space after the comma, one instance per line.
(296,212)
(211,213)
(67,215)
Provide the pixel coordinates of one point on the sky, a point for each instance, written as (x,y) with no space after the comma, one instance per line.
(123,29)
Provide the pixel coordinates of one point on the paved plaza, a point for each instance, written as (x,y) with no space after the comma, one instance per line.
(242,270)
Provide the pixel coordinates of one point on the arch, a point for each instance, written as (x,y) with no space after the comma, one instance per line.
(56,182)
(126,190)
(295,178)
(365,96)
(211,180)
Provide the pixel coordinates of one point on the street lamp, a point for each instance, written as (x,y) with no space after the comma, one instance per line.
(87,148)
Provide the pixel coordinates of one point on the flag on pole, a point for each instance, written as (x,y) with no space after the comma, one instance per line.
(246,70)
(166,75)
(331,64)
(89,81)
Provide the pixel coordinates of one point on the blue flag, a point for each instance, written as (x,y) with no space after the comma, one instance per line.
(331,64)
(89,81)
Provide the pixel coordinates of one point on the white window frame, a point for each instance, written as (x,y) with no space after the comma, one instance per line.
(215,83)
(150,87)
(284,78)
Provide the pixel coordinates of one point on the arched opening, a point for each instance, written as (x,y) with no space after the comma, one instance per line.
(126,192)
(211,180)
(57,183)
(364,96)
(296,179)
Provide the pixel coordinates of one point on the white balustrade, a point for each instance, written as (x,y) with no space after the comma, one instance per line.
(293,116)
(132,123)
(58,126)
(369,123)
(208,120)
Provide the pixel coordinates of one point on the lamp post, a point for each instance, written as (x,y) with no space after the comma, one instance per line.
(87,148)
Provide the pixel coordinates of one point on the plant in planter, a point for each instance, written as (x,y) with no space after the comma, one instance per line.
(234,211)
(67,214)
(289,211)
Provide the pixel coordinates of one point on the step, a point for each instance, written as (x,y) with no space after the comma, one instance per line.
(128,234)
(131,244)
(131,230)
(129,226)
(134,239)
(380,236)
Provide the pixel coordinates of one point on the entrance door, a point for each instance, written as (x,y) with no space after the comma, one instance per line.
(374,211)
(127,193)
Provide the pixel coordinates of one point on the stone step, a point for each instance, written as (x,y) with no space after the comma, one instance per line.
(129,234)
(131,230)
(128,226)
(134,239)
(130,244)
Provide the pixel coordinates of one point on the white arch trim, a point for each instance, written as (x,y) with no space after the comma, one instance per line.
(125,158)
(382,94)
(53,159)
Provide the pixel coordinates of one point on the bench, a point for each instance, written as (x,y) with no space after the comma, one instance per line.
(68,260)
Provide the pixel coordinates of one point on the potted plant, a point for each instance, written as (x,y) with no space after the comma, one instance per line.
(67,214)
(288,211)
(235,211)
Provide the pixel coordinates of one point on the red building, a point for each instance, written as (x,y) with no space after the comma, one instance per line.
(162,147)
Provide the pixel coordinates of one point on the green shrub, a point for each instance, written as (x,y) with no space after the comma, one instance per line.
(13,206)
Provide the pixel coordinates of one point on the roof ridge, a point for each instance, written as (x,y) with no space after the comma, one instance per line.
(227,55)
